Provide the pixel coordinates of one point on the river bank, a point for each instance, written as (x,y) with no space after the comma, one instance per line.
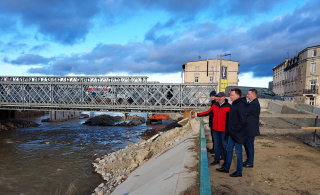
(9,124)
(115,167)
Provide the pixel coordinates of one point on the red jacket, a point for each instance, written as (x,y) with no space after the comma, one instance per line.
(220,115)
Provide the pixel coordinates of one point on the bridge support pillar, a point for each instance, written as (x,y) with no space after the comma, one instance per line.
(63,115)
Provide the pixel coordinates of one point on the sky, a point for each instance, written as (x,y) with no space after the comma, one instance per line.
(152,38)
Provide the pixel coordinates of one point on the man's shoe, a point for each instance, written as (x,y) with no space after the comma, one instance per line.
(236,174)
(248,165)
(222,169)
(215,162)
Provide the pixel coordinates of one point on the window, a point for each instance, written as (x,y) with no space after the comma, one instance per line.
(197,68)
(314,53)
(211,68)
(211,79)
(313,67)
(313,85)
(196,79)
(311,102)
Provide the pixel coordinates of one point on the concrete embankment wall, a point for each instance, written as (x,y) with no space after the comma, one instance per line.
(63,115)
(291,108)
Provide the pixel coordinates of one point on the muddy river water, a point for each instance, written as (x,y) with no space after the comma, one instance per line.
(49,158)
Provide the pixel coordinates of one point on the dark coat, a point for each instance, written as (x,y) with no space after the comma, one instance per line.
(211,116)
(237,121)
(252,123)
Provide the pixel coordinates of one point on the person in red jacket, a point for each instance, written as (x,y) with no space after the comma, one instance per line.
(220,111)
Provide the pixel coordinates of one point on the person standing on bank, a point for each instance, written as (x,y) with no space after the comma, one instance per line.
(236,131)
(252,126)
(214,99)
(220,111)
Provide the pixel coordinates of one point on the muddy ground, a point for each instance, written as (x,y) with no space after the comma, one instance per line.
(283,165)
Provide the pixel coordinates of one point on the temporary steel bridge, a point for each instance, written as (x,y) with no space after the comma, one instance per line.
(101,93)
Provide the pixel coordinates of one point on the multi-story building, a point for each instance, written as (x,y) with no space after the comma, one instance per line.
(290,82)
(301,77)
(217,71)
(278,78)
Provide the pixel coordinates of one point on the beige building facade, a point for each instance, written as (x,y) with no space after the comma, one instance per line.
(279,78)
(301,77)
(216,71)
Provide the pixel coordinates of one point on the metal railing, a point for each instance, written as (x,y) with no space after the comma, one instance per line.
(310,91)
(74,79)
(95,94)
(205,187)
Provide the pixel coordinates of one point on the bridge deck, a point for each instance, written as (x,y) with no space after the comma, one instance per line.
(101,95)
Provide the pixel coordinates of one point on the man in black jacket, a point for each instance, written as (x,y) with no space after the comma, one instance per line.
(252,126)
(214,99)
(236,131)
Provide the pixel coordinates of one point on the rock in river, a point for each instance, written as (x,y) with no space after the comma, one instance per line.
(9,124)
(103,120)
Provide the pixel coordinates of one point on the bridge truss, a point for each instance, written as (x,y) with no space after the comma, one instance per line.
(107,94)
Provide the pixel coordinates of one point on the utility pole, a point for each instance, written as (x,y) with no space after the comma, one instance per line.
(229,54)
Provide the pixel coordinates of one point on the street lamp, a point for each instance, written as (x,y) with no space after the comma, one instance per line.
(229,54)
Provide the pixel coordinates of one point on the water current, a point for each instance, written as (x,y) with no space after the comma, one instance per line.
(49,158)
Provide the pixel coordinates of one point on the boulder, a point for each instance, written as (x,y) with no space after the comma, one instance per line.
(103,120)
(134,121)
(9,124)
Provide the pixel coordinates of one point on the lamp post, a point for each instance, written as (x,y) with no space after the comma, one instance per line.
(229,54)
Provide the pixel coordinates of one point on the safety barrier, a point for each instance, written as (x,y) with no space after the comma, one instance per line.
(205,187)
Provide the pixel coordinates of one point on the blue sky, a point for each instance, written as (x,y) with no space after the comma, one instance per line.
(152,38)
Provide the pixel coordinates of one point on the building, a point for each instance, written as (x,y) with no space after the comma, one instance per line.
(217,71)
(278,78)
(270,85)
(297,79)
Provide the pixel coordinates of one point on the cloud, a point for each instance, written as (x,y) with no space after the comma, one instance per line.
(248,7)
(116,11)
(28,59)
(13,47)
(41,47)
(66,22)
(169,44)
(7,25)
(153,33)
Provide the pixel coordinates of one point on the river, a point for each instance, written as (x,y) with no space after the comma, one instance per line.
(50,158)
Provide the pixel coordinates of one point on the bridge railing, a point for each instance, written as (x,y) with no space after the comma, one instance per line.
(95,96)
(73,79)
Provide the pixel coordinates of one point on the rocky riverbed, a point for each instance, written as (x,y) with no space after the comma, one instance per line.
(9,124)
(115,167)
(107,120)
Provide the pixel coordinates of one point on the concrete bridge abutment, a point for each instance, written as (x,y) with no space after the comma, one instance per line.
(63,115)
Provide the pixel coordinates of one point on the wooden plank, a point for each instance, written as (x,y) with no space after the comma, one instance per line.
(289,116)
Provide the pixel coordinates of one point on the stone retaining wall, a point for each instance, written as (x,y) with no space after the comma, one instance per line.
(278,108)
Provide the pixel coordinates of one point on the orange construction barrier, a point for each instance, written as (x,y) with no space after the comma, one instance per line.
(159,117)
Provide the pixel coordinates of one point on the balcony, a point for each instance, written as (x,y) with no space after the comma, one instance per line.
(310,91)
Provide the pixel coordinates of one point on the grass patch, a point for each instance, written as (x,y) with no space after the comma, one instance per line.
(264,144)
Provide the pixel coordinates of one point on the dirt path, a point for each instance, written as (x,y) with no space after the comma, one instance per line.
(283,165)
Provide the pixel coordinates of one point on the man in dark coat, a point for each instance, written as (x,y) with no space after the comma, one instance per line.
(236,131)
(214,99)
(252,126)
